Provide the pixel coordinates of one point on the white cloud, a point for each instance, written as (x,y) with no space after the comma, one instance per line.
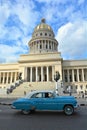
(62,10)
(72,39)
(26,12)
(10,53)
(53,1)
(22,12)
(81,1)
(4,13)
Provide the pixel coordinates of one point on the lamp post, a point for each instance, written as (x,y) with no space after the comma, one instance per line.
(56,78)
(69,90)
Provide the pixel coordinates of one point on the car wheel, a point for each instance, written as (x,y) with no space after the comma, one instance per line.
(26,112)
(68,110)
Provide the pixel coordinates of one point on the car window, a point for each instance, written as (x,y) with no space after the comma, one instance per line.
(49,95)
(37,95)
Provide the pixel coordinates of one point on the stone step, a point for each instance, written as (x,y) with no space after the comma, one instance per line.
(26,87)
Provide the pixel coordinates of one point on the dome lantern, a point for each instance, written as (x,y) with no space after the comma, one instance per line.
(43,20)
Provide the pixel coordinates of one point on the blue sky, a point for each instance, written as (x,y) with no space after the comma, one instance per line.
(68,18)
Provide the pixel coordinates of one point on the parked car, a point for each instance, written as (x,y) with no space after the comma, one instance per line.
(45,100)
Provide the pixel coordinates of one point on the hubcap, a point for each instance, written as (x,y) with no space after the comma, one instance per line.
(68,110)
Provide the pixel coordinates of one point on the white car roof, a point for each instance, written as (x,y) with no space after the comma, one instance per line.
(38,91)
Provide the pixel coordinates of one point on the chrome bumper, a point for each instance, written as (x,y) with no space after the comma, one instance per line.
(13,107)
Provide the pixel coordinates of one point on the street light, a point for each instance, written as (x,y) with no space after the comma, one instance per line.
(69,90)
(56,78)
(61,84)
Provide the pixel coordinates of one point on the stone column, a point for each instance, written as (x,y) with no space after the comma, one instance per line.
(83,75)
(34,46)
(53,73)
(63,76)
(31,74)
(78,75)
(41,73)
(48,45)
(42,45)
(15,76)
(68,75)
(73,79)
(53,46)
(25,74)
(47,74)
(7,77)
(3,77)
(11,77)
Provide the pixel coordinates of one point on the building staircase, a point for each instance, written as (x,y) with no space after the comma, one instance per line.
(26,87)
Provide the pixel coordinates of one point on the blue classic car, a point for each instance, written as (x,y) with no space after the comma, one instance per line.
(45,100)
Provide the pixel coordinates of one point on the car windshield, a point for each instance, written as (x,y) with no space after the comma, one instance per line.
(29,95)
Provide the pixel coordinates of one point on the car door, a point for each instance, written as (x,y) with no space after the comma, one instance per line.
(38,101)
(50,102)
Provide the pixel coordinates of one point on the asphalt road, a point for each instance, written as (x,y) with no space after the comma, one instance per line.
(13,120)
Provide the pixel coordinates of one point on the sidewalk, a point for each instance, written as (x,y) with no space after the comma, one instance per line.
(82,101)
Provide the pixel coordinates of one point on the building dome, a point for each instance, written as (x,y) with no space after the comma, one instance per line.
(43,28)
(43,39)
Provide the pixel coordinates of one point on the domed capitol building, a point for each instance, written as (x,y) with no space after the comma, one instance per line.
(37,70)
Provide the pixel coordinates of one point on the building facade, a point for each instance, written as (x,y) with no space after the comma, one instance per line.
(43,61)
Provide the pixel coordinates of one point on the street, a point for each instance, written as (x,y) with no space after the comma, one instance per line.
(14,120)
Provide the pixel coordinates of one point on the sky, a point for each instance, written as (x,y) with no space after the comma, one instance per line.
(18,18)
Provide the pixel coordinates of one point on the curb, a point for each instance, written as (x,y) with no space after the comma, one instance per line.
(7,104)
